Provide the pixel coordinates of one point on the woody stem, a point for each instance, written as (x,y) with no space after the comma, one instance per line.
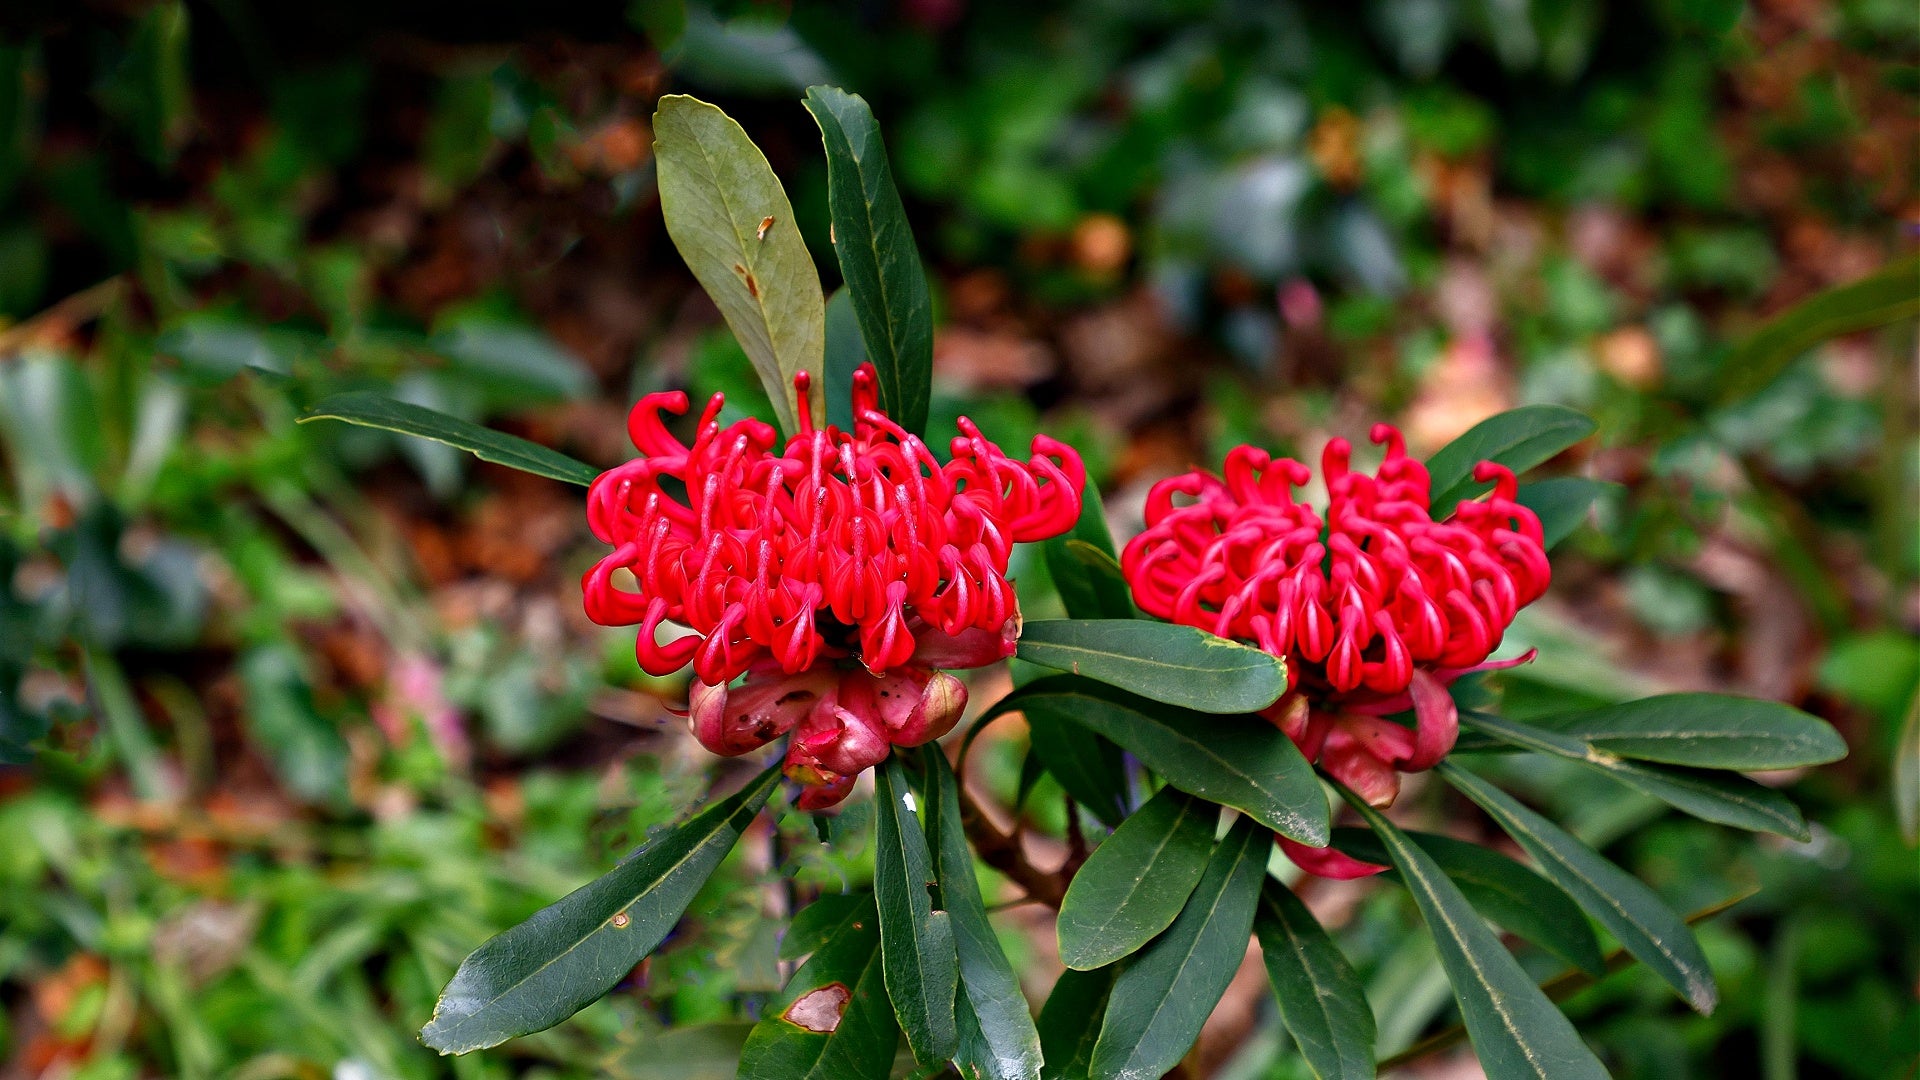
(1005,853)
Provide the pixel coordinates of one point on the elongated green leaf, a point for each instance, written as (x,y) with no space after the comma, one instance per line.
(574,950)
(1712,731)
(1083,568)
(998,1040)
(1562,503)
(1322,1002)
(877,253)
(812,926)
(1163,997)
(1559,988)
(371,410)
(845,353)
(1088,766)
(833,1020)
(728,215)
(1070,1022)
(1178,665)
(1516,1031)
(1728,800)
(1886,296)
(1519,439)
(1631,912)
(1501,889)
(1238,761)
(916,941)
(1137,880)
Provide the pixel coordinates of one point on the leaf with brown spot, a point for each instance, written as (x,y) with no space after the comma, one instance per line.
(819,1011)
(833,1020)
(719,197)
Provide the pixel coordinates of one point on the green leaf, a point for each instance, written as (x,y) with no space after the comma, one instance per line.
(1137,880)
(1631,912)
(814,924)
(1562,503)
(1238,761)
(1083,568)
(833,1020)
(1712,731)
(574,950)
(1163,996)
(1886,296)
(371,410)
(916,941)
(1728,800)
(1178,665)
(1559,988)
(877,254)
(998,1040)
(845,353)
(733,225)
(1089,767)
(1519,439)
(1715,796)
(1322,1002)
(1501,889)
(1515,1030)
(1070,1022)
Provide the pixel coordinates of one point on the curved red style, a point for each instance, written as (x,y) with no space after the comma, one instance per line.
(788,567)
(1376,606)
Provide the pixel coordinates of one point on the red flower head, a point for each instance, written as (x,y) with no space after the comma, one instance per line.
(789,566)
(1375,608)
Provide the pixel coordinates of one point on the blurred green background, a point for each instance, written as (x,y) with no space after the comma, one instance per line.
(294,716)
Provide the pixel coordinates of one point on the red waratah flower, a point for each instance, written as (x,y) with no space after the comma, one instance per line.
(839,575)
(1376,608)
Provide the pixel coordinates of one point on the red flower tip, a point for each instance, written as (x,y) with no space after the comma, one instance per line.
(1375,607)
(837,546)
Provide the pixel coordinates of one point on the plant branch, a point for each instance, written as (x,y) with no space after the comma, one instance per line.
(1005,853)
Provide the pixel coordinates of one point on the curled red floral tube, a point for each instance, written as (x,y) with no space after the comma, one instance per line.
(789,567)
(1376,607)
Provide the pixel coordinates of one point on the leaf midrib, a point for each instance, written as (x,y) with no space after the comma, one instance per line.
(1181,815)
(1193,946)
(873,243)
(1411,867)
(1315,975)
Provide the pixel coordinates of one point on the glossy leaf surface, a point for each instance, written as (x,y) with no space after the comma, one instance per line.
(731,221)
(372,410)
(574,950)
(1238,761)
(1163,996)
(1137,880)
(1177,665)
(885,281)
(1517,1032)
(1631,912)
